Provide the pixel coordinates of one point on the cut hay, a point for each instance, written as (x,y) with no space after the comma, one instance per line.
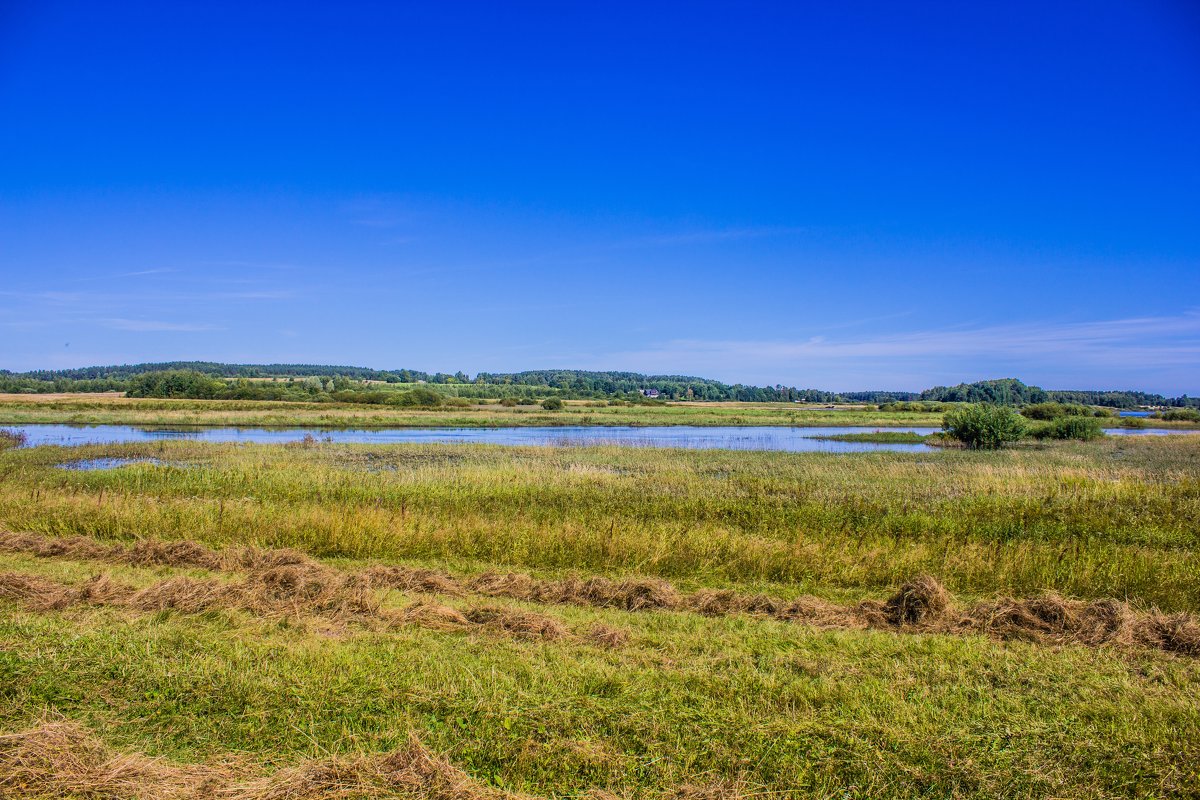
(922,600)
(606,636)
(434,616)
(185,595)
(289,583)
(59,759)
(33,591)
(184,553)
(820,613)
(304,589)
(496,584)
(413,580)
(629,595)
(520,623)
(282,592)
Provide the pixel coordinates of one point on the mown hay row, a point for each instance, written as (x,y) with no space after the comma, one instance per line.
(288,591)
(921,605)
(59,758)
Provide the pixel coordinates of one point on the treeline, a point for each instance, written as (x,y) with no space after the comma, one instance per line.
(1012,392)
(588,384)
(326,382)
(566,384)
(194,385)
(124,372)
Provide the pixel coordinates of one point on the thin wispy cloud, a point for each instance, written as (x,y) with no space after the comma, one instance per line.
(1135,346)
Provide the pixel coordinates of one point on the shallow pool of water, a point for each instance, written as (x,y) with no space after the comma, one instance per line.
(702,438)
(88,464)
(726,438)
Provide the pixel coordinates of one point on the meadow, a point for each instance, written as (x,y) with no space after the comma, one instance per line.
(474,621)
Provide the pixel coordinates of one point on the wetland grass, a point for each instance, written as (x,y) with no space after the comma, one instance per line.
(468,621)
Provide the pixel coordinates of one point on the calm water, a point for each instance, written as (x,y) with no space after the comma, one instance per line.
(726,438)
(106,463)
(703,438)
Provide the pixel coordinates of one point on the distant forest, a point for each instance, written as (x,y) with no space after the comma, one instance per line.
(339,383)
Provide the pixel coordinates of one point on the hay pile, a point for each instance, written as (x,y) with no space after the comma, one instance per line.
(922,600)
(59,758)
(525,624)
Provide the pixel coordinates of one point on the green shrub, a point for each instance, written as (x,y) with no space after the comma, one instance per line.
(1182,415)
(552,404)
(1048,411)
(1082,428)
(919,406)
(984,427)
(420,396)
(508,402)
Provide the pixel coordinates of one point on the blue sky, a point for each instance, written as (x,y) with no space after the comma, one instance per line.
(839,195)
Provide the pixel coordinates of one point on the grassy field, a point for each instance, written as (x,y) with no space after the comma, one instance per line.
(687,624)
(98,409)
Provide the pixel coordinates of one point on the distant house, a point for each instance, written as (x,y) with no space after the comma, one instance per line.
(649,392)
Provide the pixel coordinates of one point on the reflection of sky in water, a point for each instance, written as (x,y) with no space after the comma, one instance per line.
(726,438)
(105,463)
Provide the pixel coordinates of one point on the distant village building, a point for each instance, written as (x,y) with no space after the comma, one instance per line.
(649,392)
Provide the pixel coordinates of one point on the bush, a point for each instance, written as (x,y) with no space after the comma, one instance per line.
(1042,411)
(508,402)
(420,396)
(1182,415)
(919,406)
(552,404)
(984,427)
(1081,428)
(1049,411)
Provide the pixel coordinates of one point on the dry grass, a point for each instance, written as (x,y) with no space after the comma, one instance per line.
(289,584)
(61,759)
(919,600)
(519,623)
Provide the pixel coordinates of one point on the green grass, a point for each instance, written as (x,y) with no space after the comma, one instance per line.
(109,409)
(689,700)
(788,710)
(1111,518)
(878,437)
